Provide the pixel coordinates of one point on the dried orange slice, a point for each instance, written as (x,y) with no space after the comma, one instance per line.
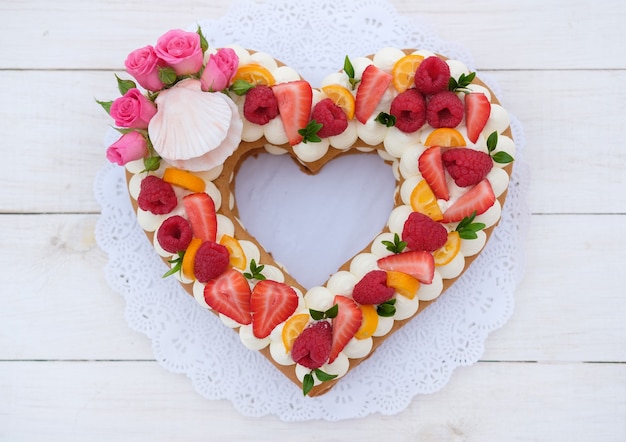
(342,97)
(190,257)
(292,329)
(403,72)
(445,137)
(236,254)
(423,200)
(369,321)
(184,179)
(402,283)
(255,74)
(449,250)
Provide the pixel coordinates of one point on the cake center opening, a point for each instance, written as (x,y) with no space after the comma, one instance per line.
(312,224)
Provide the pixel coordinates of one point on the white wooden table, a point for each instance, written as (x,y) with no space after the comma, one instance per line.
(71,369)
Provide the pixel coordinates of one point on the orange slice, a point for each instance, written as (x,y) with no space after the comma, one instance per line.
(423,200)
(402,283)
(236,254)
(255,74)
(449,250)
(403,72)
(292,329)
(342,97)
(190,257)
(184,179)
(445,137)
(369,322)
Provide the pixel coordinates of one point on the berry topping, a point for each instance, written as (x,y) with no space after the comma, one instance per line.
(467,166)
(444,110)
(211,261)
(332,118)
(271,303)
(174,234)
(409,108)
(422,233)
(200,210)
(260,106)
(229,294)
(345,324)
(374,84)
(312,347)
(477,111)
(417,263)
(294,101)
(478,199)
(372,288)
(156,196)
(430,166)
(432,76)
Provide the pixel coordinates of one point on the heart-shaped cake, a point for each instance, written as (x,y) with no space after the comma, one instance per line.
(202,111)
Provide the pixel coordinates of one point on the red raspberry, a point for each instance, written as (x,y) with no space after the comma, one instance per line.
(312,347)
(174,234)
(332,118)
(421,233)
(156,196)
(260,106)
(211,261)
(467,167)
(409,108)
(445,110)
(372,288)
(432,76)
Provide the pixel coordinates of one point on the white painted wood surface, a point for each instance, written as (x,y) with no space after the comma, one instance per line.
(71,369)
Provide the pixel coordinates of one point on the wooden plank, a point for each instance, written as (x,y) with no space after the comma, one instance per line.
(564,34)
(57,304)
(489,401)
(568,147)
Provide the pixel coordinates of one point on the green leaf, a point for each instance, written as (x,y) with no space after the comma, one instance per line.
(167,75)
(349,70)
(316,314)
(502,158)
(396,246)
(467,228)
(309,133)
(307,383)
(323,376)
(106,105)
(386,119)
(255,271)
(204,44)
(332,312)
(241,87)
(151,164)
(462,83)
(178,265)
(468,234)
(492,141)
(387,308)
(124,85)
(328,314)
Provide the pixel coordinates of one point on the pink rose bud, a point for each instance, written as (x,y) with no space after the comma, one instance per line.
(130,147)
(181,51)
(143,64)
(132,110)
(220,69)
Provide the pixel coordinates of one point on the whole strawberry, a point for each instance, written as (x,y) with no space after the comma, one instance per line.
(467,167)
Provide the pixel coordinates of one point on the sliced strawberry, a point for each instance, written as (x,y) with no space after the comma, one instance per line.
(229,294)
(477,111)
(200,210)
(372,87)
(430,166)
(271,303)
(417,263)
(294,100)
(478,199)
(345,324)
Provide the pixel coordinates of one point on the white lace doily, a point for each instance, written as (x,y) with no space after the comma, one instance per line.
(187,339)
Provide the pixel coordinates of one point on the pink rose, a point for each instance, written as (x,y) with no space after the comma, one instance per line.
(143,64)
(130,147)
(220,69)
(132,110)
(181,51)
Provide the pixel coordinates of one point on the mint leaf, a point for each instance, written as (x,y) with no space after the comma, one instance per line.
(349,70)
(307,383)
(502,158)
(396,246)
(309,133)
(124,85)
(255,271)
(323,376)
(328,314)
(386,119)
(467,228)
(492,141)
(387,308)
(462,83)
